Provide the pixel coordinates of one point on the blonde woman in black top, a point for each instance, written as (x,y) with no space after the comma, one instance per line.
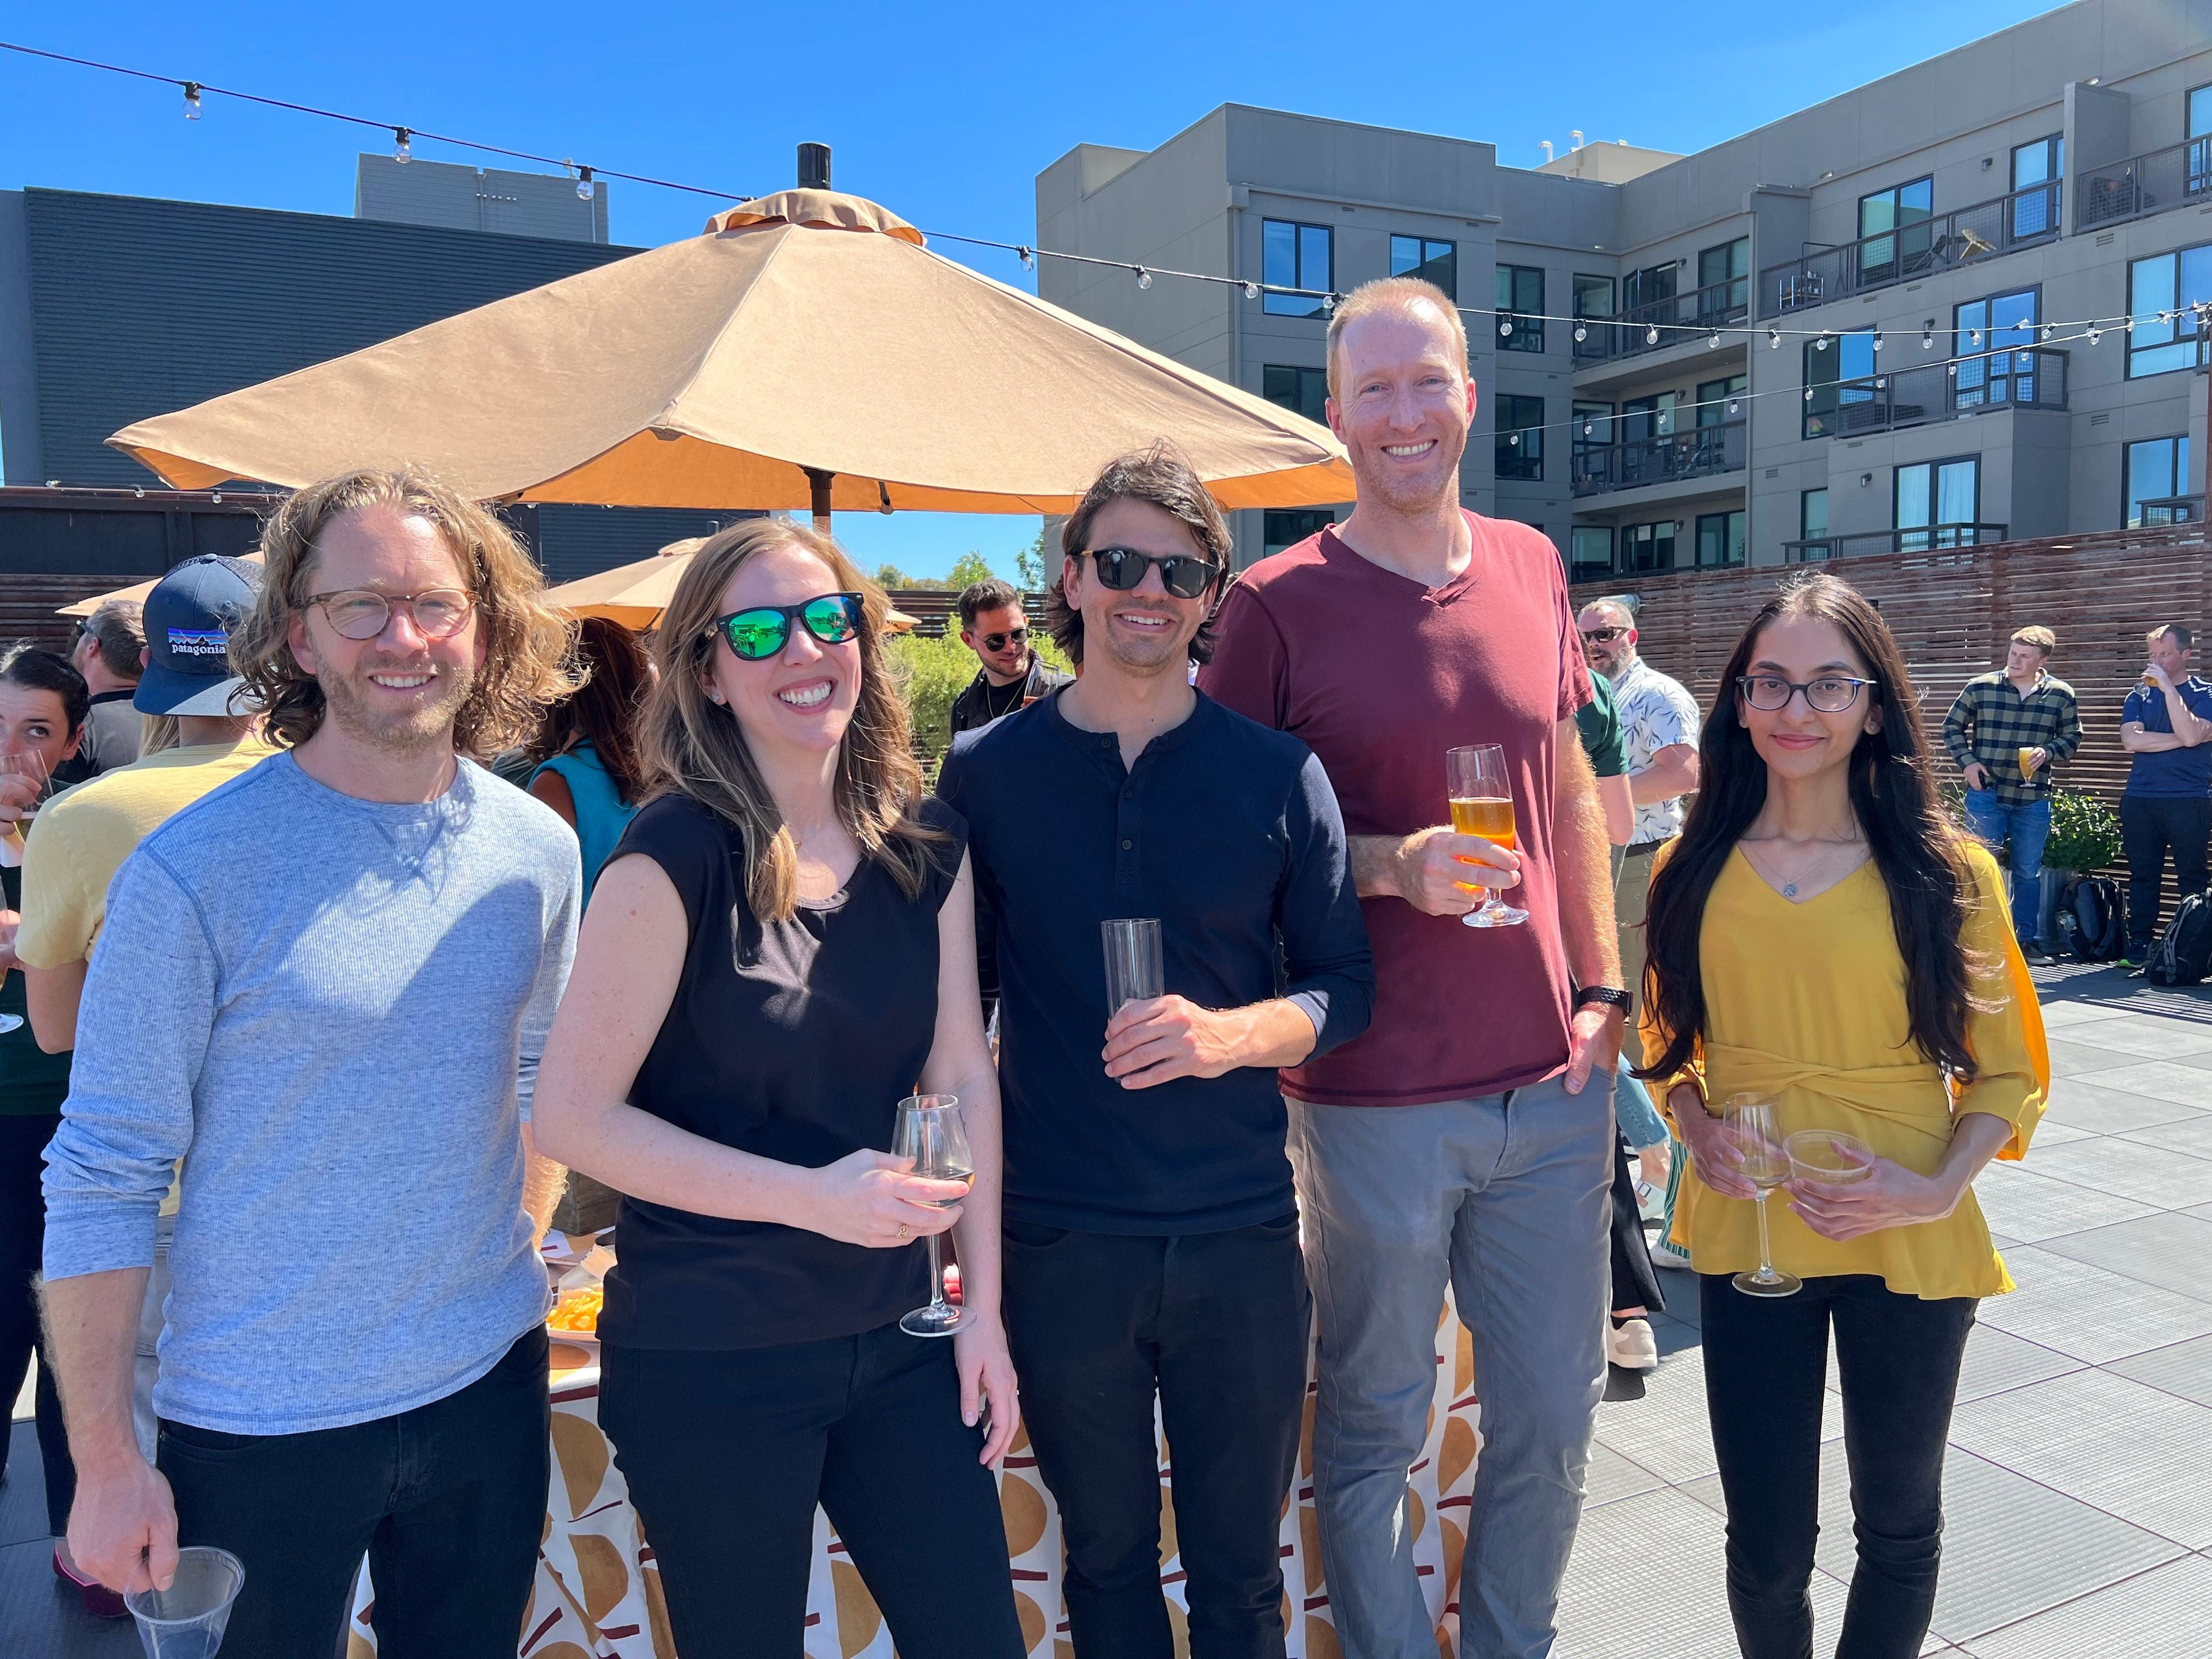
(781,948)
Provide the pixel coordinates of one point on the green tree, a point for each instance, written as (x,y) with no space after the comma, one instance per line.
(890,578)
(1030,563)
(971,568)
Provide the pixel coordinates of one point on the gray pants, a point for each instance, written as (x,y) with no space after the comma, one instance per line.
(1509,1195)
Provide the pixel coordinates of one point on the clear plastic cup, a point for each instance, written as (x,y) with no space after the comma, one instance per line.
(1828,1155)
(186,1621)
(1133,961)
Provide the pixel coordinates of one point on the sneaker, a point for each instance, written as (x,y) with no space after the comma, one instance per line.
(2137,958)
(2036,954)
(98,1600)
(1630,1344)
(1651,1201)
(1664,1254)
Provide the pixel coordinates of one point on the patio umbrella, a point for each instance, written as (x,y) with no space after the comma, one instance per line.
(135,592)
(634,595)
(805,351)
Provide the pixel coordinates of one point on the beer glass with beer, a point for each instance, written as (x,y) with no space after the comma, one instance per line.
(1481,796)
(2026,763)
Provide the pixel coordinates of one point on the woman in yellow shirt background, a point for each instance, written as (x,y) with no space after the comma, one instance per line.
(1823,935)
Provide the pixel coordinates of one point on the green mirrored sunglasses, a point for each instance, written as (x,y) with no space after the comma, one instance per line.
(756,634)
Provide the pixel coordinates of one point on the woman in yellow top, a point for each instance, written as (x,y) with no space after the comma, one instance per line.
(1821,934)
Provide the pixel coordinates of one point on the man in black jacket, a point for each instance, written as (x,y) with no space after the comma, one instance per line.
(993,626)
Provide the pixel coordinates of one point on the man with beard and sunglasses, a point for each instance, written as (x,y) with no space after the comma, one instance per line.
(1150,1224)
(1467,1137)
(1012,676)
(325,986)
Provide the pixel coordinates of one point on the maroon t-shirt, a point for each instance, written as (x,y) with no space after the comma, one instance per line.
(1379,676)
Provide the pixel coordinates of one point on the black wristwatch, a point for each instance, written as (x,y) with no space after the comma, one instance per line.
(1609,995)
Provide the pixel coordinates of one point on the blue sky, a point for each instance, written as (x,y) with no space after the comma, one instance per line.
(945,114)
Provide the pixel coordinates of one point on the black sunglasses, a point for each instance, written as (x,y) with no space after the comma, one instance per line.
(1600,636)
(998,642)
(1121,569)
(755,634)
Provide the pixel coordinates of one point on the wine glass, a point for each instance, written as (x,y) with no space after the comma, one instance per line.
(1750,1124)
(1830,1156)
(929,1131)
(1481,796)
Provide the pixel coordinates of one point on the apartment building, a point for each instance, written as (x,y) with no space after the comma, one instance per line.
(1842,332)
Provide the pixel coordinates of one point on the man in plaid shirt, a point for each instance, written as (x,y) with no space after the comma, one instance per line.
(2006,732)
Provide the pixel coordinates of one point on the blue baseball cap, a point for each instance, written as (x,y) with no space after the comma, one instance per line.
(189,616)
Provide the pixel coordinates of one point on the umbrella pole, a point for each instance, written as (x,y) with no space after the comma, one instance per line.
(818,482)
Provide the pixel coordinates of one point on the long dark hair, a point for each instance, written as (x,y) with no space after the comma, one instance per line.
(605,709)
(1917,851)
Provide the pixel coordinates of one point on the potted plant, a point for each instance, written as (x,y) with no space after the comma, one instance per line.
(2085,836)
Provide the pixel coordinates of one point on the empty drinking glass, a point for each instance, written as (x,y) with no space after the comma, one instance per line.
(1828,1155)
(1749,1123)
(1133,961)
(930,1132)
(186,1621)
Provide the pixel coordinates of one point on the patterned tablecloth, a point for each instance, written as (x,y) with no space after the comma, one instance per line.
(597,1593)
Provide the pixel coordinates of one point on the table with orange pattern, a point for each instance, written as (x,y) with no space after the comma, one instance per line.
(598,1592)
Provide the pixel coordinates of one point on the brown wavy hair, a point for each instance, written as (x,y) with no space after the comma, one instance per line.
(693,745)
(604,710)
(529,646)
(1161,475)
(1917,851)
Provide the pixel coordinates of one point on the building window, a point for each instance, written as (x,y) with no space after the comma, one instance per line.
(1520,437)
(1593,553)
(2167,284)
(1429,260)
(1649,286)
(2200,113)
(2041,163)
(1937,503)
(1829,361)
(1812,518)
(1895,235)
(1292,255)
(1520,307)
(1282,528)
(1645,419)
(1593,296)
(1303,391)
(2157,469)
(1721,400)
(1648,546)
(1593,425)
(1724,278)
(1988,337)
(1721,537)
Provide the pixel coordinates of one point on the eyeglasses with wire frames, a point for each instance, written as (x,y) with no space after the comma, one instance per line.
(362,613)
(1829,694)
(1183,574)
(761,631)
(998,642)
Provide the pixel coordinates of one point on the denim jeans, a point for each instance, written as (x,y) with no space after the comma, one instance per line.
(2027,828)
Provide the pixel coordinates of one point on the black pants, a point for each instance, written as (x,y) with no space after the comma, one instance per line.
(1635,1281)
(447,1501)
(2150,825)
(22,1239)
(1215,1324)
(1766,1371)
(726,1454)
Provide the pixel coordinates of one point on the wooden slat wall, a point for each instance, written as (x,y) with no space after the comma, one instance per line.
(27,604)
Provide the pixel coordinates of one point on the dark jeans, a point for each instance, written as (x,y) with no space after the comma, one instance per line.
(446,1500)
(726,1454)
(1765,1373)
(1215,1324)
(1635,1281)
(22,1238)
(2149,826)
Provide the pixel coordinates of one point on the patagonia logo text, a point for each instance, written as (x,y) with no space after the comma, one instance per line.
(211,642)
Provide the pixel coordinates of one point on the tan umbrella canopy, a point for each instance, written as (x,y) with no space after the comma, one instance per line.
(137,593)
(807,350)
(634,595)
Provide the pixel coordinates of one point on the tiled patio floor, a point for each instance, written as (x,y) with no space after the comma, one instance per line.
(2079,1487)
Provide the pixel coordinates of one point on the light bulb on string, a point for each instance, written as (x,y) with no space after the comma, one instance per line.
(1773,338)
(191,100)
(2046,330)
(583,184)
(1505,327)
(2095,335)
(1651,335)
(1581,333)
(1029,259)
(1928,339)
(1251,290)
(403,145)
(1713,341)
(1882,383)
(1808,394)
(1973,337)
(1734,406)
(1953,370)
(1820,344)
(2131,326)
(1143,277)
(1329,305)
(1877,343)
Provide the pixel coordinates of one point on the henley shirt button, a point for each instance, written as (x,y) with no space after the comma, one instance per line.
(1126,845)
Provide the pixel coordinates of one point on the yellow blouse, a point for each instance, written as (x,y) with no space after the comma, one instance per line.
(1805,1002)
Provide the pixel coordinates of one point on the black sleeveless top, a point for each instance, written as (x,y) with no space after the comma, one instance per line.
(792,1040)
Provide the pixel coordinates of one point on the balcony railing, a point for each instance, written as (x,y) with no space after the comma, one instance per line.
(2033,377)
(2162,511)
(1695,452)
(1658,324)
(2176,176)
(1963,237)
(1922,539)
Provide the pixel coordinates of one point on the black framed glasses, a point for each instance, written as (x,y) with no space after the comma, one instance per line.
(761,631)
(361,613)
(1600,636)
(1831,694)
(999,641)
(1182,574)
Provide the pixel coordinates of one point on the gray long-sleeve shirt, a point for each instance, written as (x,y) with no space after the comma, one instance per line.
(331,1010)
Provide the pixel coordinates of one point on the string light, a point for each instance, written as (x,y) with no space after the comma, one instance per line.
(403,149)
(1581,333)
(1251,290)
(1651,335)
(1928,339)
(1144,276)
(1773,338)
(1506,328)
(1028,259)
(1877,342)
(2095,335)
(191,100)
(1713,341)
(1820,344)
(583,184)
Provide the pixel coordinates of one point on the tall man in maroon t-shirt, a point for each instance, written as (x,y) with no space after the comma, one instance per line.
(1463,1134)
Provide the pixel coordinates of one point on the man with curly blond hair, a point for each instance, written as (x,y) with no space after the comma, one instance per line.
(325,987)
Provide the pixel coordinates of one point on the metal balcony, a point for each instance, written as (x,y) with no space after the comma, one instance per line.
(2180,175)
(1658,324)
(1964,236)
(2033,377)
(2163,511)
(1697,452)
(1921,539)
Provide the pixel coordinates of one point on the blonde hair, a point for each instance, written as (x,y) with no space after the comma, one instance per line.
(694,746)
(2041,638)
(1400,294)
(529,646)
(157,733)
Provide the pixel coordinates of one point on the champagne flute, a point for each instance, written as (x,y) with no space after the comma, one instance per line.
(929,1131)
(2026,764)
(1749,1122)
(1481,797)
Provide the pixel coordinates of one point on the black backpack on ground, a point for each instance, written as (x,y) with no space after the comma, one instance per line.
(2183,955)
(2092,920)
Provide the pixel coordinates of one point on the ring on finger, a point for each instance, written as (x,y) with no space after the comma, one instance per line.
(905,1232)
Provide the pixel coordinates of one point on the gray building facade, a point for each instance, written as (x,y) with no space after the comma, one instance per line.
(1828,336)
